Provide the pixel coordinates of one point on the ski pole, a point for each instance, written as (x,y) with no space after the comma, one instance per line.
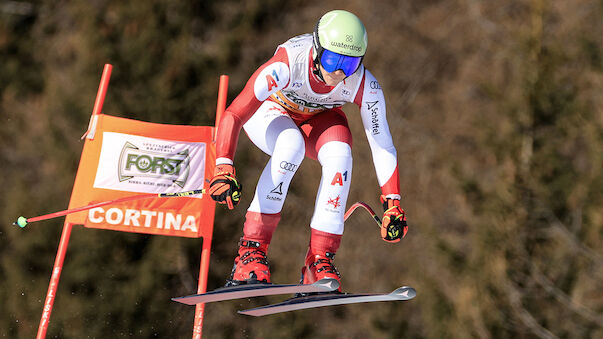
(22,221)
(366,207)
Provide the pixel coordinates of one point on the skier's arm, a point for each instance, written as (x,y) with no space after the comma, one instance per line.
(269,78)
(371,101)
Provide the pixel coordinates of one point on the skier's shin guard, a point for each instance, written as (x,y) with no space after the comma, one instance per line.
(336,160)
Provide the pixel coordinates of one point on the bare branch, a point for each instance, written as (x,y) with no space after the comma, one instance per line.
(564,299)
(526,317)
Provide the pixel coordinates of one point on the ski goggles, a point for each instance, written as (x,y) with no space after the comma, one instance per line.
(332,61)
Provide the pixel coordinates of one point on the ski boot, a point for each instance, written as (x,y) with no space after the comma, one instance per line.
(251,264)
(318,266)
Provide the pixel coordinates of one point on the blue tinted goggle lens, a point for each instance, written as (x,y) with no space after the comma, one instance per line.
(332,61)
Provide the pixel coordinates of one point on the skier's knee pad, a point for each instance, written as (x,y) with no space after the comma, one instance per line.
(290,145)
(335,153)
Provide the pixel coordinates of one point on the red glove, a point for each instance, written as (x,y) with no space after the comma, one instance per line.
(393,224)
(224,187)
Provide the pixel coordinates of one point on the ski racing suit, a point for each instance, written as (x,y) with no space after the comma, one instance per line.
(289,113)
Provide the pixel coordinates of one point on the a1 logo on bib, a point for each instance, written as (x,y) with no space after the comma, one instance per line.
(271,79)
(339,178)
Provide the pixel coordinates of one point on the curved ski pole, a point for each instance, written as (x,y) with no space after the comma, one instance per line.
(22,221)
(366,207)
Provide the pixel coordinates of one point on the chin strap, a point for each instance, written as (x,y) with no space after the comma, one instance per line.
(316,70)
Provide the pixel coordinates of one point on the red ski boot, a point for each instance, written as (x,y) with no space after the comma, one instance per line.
(251,265)
(318,264)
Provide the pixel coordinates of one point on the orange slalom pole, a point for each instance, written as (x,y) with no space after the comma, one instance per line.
(202,288)
(64,242)
(222,94)
(100,96)
(102,90)
(205,252)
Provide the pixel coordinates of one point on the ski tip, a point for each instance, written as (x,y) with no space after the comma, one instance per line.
(404,293)
(328,284)
(183,300)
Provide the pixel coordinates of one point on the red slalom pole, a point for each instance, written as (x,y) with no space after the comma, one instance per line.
(22,221)
(58,262)
(221,107)
(222,94)
(88,207)
(54,281)
(206,249)
(100,97)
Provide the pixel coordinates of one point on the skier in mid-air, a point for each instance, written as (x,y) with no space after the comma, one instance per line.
(291,108)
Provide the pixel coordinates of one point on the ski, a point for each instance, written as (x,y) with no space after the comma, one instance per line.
(257,290)
(331,299)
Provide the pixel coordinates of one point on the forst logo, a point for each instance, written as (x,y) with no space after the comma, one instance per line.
(138,163)
(158,165)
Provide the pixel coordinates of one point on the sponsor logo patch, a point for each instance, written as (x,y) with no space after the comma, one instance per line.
(141,164)
(334,202)
(287,166)
(374,108)
(137,163)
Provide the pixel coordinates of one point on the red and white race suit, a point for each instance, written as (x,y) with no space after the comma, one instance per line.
(289,113)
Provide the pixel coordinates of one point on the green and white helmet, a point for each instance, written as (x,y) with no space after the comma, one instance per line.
(341,32)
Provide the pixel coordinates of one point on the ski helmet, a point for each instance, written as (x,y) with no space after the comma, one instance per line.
(339,32)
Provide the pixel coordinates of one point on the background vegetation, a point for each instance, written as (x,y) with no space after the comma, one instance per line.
(496,110)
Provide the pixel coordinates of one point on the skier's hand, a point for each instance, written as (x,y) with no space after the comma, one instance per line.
(393,224)
(224,187)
